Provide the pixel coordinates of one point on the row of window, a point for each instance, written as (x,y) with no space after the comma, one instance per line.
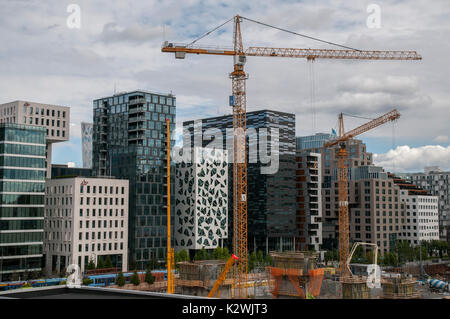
(20,224)
(13,134)
(99,224)
(21,250)
(22,187)
(22,174)
(28,237)
(22,212)
(43,111)
(104,212)
(106,247)
(10,199)
(16,161)
(102,188)
(112,201)
(44,122)
(6,148)
(99,235)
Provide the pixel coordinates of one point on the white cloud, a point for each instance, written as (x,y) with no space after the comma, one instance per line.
(441,139)
(410,159)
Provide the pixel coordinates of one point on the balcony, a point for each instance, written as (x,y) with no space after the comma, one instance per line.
(136,101)
(136,119)
(136,110)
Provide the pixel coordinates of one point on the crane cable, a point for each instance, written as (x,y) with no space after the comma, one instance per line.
(312,92)
(299,34)
(209,32)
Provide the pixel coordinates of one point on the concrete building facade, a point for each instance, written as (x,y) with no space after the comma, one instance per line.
(85,218)
(201,211)
(55,118)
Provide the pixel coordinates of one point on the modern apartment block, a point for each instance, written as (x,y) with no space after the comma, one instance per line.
(85,219)
(86,143)
(308,183)
(438,183)
(271,202)
(420,213)
(22,182)
(374,199)
(201,211)
(129,142)
(55,118)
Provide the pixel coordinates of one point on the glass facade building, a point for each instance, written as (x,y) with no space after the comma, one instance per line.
(129,142)
(315,142)
(22,190)
(271,197)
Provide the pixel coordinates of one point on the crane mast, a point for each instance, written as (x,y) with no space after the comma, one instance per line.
(342,177)
(239,102)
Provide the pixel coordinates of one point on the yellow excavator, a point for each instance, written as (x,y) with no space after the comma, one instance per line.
(222,276)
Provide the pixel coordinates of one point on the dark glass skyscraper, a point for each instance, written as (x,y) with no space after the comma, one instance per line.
(129,142)
(271,197)
(22,190)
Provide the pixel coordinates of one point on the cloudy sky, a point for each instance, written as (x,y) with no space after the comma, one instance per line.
(118,45)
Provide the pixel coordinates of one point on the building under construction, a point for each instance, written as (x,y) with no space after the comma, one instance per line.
(293,275)
(198,277)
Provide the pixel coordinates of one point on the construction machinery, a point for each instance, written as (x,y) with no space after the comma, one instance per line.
(170,251)
(238,102)
(342,178)
(223,275)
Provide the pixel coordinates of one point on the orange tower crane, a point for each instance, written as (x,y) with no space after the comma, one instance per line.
(238,102)
(342,178)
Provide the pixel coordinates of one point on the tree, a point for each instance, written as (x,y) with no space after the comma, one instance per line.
(226,254)
(100,264)
(149,277)
(268,260)
(91,265)
(252,261)
(120,280)
(108,262)
(135,279)
(201,255)
(87,281)
(183,255)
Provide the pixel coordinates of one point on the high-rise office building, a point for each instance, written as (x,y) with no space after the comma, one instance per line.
(86,142)
(201,209)
(22,182)
(129,142)
(55,118)
(270,197)
(438,183)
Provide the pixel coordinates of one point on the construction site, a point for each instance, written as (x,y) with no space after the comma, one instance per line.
(292,274)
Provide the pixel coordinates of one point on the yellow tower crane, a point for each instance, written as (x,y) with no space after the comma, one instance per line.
(170,251)
(342,178)
(238,102)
